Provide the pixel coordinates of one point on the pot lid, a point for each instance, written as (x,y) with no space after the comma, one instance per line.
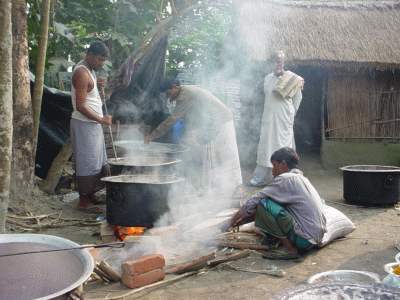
(370,168)
(143,161)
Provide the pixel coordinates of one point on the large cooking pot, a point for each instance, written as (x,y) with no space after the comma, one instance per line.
(137,200)
(138,148)
(371,184)
(41,276)
(143,165)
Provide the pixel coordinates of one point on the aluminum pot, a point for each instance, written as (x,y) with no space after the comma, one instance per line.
(138,148)
(143,165)
(137,200)
(371,184)
(41,276)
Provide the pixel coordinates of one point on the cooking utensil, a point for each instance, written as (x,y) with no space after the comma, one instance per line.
(41,277)
(103,99)
(137,200)
(114,245)
(371,184)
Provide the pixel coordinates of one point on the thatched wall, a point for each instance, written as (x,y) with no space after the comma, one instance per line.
(340,33)
(363,106)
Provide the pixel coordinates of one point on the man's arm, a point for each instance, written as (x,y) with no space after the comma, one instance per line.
(179,112)
(82,82)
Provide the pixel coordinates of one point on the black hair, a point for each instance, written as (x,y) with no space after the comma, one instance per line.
(167,84)
(288,155)
(99,48)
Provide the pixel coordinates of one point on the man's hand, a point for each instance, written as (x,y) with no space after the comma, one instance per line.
(148,139)
(106,120)
(101,81)
(238,219)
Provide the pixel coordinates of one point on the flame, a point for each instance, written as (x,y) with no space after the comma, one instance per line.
(122,232)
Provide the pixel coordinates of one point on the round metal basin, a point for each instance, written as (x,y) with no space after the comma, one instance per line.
(41,276)
(345,276)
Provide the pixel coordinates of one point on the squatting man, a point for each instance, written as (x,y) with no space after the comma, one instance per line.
(288,211)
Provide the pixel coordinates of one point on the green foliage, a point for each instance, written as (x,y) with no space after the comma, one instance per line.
(198,41)
(122,24)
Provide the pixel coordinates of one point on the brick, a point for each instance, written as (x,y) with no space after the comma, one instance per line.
(170,235)
(143,264)
(94,252)
(108,239)
(135,281)
(106,229)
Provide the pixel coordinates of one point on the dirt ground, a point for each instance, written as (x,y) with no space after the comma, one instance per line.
(368,248)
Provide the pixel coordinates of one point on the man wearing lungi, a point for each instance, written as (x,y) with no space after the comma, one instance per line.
(282,91)
(87,135)
(287,211)
(209,131)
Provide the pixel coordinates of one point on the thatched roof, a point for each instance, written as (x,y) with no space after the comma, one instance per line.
(326,33)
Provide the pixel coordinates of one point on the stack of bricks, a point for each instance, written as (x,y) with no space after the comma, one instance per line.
(143,271)
(107,233)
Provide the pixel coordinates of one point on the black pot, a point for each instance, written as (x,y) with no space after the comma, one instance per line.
(371,184)
(137,200)
(143,165)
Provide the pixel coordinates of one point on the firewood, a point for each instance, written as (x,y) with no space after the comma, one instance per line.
(242,245)
(194,265)
(101,274)
(107,269)
(232,257)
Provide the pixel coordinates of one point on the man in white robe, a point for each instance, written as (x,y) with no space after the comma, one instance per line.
(283,96)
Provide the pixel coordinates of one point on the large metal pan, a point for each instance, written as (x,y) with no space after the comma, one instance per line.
(41,276)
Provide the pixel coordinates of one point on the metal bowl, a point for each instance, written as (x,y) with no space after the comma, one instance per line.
(397,257)
(345,276)
(390,267)
(79,262)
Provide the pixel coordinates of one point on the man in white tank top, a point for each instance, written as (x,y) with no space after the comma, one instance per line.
(86,131)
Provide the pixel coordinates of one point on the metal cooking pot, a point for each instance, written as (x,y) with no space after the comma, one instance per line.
(41,276)
(143,165)
(137,200)
(138,148)
(371,184)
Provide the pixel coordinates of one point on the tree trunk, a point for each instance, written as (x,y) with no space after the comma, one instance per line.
(23,163)
(6,113)
(39,73)
(57,166)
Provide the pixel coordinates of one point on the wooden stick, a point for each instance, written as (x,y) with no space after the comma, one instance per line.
(194,265)
(101,274)
(156,284)
(227,258)
(372,120)
(278,273)
(107,269)
(242,245)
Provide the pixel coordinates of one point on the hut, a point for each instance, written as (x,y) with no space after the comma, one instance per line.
(348,52)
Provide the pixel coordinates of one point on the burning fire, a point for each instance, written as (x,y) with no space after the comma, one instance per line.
(122,232)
